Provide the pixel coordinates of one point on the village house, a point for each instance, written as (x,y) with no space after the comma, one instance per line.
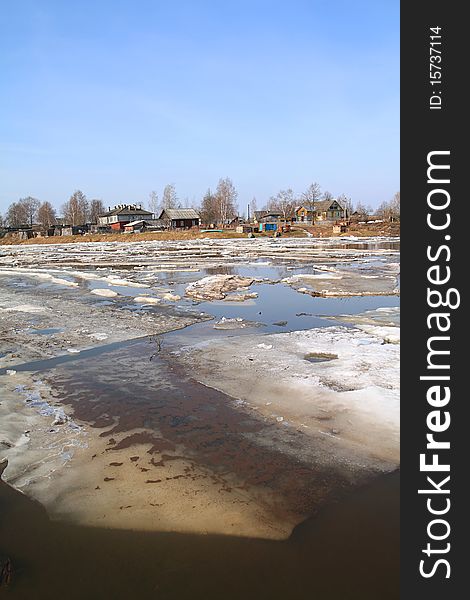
(325,210)
(329,210)
(267,216)
(302,215)
(121,215)
(180,218)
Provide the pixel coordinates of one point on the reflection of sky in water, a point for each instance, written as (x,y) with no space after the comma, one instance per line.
(282,303)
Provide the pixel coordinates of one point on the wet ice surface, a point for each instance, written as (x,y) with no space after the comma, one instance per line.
(190,404)
(350,391)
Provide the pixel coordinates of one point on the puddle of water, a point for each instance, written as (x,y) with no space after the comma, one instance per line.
(316,357)
(47,331)
(46,364)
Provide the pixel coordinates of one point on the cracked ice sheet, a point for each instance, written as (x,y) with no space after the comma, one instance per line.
(353,398)
(197,254)
(381,322)
(77,314)
(380,280)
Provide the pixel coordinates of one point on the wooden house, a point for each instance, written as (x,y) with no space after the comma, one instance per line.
(267,216)
(302,215)
(329,210)
(180,218)
(121,215)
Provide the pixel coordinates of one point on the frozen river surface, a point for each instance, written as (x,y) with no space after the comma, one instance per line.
(215,386)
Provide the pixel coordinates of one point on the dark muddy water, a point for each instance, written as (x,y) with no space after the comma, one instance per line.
(347,552)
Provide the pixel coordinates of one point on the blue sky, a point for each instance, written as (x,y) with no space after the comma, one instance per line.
(118,98)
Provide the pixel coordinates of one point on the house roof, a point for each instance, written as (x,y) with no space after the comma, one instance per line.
(127,209)
(324,205)
(134,223)
(260,214)
(297,208)
(179,213)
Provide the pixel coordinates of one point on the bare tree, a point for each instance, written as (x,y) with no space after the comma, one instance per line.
(346,203)
(22,212)
(327,196)
(75,210)
(311,196)
(31,206)
(95,210)
(395,207)
(284,202)
(169,198)
(153,203)
(16,215)
(253,207)
(362,211)
(208,208)
(226,196)
(47,215)
(390,211)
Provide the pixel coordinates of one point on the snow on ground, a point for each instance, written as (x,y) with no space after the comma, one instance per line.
(26,308)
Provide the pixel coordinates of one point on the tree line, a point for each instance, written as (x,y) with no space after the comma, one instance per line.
(218,206)
(76,211)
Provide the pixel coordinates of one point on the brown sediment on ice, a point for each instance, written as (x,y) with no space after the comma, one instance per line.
(222,469)
(157,444)
(208,452)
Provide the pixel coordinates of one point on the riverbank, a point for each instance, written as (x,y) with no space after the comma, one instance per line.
(365,230)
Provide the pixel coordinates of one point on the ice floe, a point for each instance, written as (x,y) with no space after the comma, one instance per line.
(104,292)
(216,287)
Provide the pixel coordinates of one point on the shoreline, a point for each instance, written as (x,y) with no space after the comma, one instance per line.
(359,232)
